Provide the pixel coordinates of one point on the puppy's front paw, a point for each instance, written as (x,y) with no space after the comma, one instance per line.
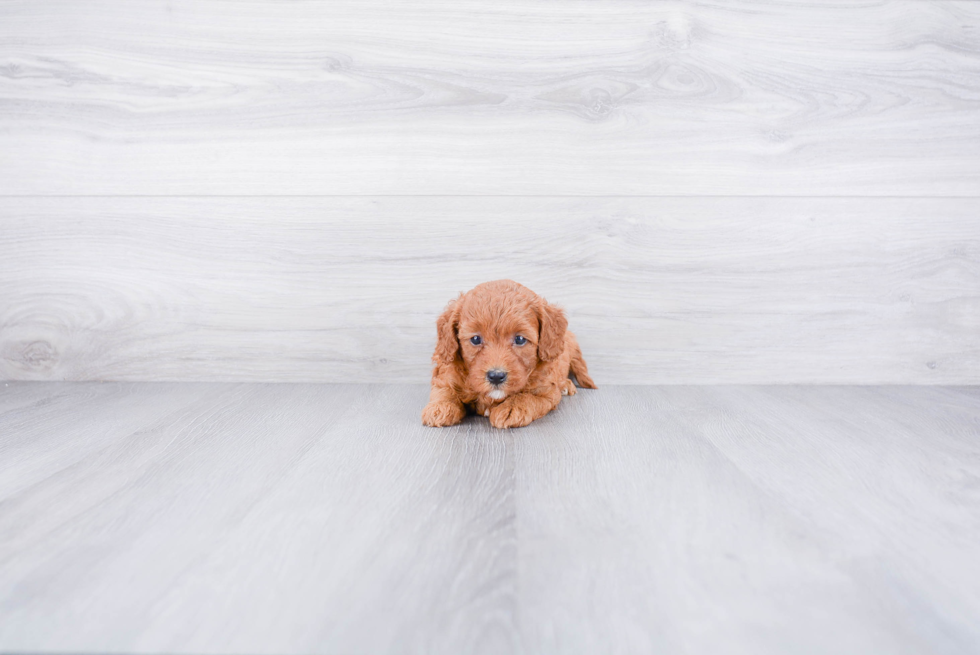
(443,414)
(510,415)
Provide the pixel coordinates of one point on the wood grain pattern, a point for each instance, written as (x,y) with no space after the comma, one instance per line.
(752,520)
(278,494)
(325,518)
(490,97)
(659,290)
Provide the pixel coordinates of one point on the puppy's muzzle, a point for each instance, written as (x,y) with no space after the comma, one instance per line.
(496,376)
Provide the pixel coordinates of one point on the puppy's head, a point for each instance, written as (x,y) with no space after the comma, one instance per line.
(497,334)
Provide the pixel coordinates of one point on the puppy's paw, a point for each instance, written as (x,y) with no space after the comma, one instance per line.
(568,388)
(510,415)
(443,414)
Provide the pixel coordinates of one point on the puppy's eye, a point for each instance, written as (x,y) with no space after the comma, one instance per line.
(476,340)
(519,340)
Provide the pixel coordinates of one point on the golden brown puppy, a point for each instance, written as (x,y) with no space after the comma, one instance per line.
(503,352)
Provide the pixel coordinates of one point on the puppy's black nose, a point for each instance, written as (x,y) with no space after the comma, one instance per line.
(496,376)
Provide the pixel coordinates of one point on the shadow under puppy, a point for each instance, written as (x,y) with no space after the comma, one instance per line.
(503,352)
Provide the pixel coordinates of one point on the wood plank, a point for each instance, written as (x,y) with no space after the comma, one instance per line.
(659,290)
(263,518)
(490,97)
(324,518)
(686,519)
(16,396)
(919,499)
(46,437)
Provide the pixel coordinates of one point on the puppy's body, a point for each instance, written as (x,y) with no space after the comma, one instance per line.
(503,352)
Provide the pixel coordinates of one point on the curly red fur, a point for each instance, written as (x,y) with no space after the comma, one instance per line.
(537,371)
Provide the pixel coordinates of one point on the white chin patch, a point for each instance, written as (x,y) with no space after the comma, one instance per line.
(497,394)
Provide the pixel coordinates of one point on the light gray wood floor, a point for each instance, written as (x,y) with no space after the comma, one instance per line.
(202,517)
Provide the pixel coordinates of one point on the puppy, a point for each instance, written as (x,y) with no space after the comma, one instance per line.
(503,352)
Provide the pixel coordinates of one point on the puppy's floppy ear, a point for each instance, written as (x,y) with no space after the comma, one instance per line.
(551,340)
(447,341)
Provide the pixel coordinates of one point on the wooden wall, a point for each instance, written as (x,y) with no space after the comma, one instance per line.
(717,193)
